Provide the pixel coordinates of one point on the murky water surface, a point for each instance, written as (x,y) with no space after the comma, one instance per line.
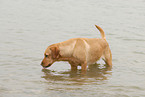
(27,27)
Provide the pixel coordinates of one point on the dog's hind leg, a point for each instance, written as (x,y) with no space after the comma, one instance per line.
(108,57)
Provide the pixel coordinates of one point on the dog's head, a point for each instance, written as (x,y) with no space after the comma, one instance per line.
(50,56)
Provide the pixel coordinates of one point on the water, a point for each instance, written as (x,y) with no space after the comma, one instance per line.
(27,27)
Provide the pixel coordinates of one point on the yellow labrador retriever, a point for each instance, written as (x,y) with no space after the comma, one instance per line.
(79,52)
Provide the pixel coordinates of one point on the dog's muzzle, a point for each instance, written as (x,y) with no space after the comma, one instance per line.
(45,66)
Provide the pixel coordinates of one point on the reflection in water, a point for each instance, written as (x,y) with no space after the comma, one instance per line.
(95,72)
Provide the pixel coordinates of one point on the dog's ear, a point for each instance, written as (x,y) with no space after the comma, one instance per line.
(54,52)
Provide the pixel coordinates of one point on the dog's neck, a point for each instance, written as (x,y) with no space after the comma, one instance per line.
(63,59)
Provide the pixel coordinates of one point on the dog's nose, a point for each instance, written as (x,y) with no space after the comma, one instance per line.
(41,63)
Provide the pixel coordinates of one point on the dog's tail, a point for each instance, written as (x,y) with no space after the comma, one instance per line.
(101,31)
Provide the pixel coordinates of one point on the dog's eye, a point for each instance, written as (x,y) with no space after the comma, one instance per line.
(46,55)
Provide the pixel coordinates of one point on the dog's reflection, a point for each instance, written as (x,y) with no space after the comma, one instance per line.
(95,71)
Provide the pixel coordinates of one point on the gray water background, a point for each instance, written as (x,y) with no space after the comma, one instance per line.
(27,27)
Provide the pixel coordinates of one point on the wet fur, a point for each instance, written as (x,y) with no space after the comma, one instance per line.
(79,51)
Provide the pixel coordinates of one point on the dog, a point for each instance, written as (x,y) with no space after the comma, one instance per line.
(79,52)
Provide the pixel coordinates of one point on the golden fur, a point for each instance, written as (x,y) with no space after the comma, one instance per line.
(79,51)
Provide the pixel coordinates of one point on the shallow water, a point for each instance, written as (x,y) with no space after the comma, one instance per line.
(27,27)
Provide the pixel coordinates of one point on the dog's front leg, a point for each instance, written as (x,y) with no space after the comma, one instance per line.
(73,66)
(84,67)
